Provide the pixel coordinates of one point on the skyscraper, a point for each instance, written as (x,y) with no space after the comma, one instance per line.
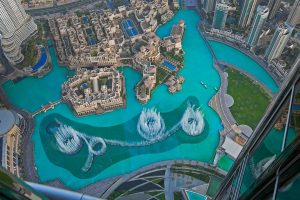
(189,4)
(294,16)
(259,20)
(247,13)
(220,16)
(209,5)
(278,41)
(15,27)
(274,6)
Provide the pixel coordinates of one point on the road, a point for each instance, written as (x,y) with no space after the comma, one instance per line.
(60,9)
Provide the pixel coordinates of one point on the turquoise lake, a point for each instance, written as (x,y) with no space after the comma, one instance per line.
(31,93)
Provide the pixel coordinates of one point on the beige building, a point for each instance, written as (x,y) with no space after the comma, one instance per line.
(10,137)
(95,91)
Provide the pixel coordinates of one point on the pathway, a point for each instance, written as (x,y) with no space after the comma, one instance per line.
(27,166)
(157,166)
(45,108)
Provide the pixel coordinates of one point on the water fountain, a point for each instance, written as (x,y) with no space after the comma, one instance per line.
(151,125)
(67,139)
(192,121)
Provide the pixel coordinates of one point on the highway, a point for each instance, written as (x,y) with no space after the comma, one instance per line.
(60,8)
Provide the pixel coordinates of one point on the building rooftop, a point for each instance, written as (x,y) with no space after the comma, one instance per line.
(7,121)
(1,147)
(232,148)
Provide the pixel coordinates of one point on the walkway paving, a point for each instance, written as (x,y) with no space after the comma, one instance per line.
(26,166)
(157,166)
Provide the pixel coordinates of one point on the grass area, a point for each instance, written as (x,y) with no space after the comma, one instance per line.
(116,194)
(29,49)
(161,75)
(6,179)
(196,175)
(29,54)
(250,99)
(213,186)
(177,196)
(225,163)
(171,54)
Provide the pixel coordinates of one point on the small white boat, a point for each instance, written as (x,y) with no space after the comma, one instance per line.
(204,85)
(216,88)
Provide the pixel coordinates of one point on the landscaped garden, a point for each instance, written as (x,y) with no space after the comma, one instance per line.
(250,99)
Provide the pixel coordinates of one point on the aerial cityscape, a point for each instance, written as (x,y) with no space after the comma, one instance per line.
(142,99)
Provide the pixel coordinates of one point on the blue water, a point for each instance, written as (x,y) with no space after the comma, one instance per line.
(42,61)
(169,65)
(195,196)
(230,55)
(85,20)
(197,67)
(129,27)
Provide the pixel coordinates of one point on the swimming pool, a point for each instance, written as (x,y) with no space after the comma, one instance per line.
(195,196)
(129,27)
(42,61)
(169,65)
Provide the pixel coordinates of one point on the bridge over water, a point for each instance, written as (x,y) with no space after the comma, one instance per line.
(46,107)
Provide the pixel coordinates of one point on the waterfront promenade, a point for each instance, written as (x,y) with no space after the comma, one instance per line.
(218,102)
(26,166)
(257,59)
(159,166)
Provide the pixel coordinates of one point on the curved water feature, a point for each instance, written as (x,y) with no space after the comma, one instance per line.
(151,125)
(119,127)
(192,121)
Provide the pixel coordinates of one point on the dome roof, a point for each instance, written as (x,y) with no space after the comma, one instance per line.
(7,121)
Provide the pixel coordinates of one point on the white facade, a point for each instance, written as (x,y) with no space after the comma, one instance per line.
(257,25)
(278,42)
(15,27)
(247,13)
(294,16)
(209,5)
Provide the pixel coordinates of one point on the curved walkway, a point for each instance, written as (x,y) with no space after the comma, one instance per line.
(27,166)
(155,166)
(257,59)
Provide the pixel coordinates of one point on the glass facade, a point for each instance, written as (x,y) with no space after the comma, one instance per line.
(269,165)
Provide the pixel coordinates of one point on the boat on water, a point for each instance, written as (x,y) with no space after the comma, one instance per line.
(216,88)
(203,84)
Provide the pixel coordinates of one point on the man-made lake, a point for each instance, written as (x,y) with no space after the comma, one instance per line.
(121,125)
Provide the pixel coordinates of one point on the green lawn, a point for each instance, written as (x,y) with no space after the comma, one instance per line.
(161,75)
(250,99)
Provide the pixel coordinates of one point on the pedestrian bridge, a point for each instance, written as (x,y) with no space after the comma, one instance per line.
(46,107)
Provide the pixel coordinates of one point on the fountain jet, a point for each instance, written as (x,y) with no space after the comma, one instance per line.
(151,125)
(192,121)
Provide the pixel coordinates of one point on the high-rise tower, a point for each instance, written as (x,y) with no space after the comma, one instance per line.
(220,16)
(274,6)
(294,16)
(278,41)
(247,13)
(209,5)
(15,27)
(259,20)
